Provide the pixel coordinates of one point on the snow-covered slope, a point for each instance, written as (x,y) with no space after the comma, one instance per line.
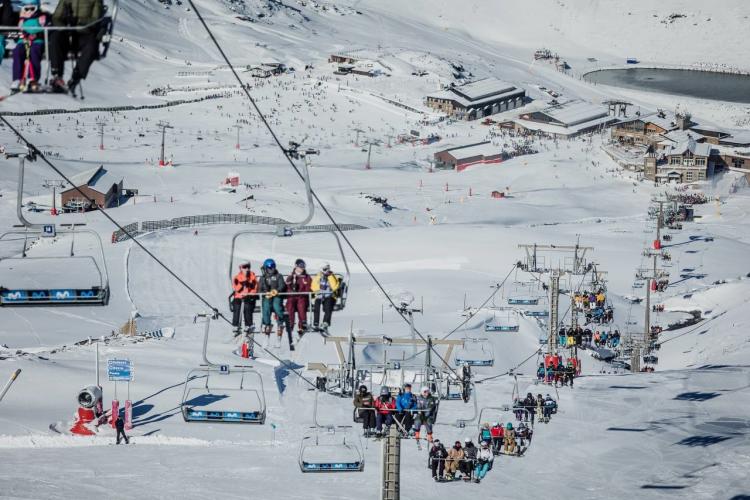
(446,241)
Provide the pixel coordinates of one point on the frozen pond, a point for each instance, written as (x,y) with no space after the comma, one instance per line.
(701,84)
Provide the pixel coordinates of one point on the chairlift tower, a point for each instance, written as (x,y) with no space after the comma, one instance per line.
(163,126)
(391,487)
(238,127)
(577,266)
(53,184)
(101,125)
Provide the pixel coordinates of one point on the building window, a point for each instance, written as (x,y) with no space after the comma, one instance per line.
(700,161)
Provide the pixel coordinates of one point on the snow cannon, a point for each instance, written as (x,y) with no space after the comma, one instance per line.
(657,245)
(90,409)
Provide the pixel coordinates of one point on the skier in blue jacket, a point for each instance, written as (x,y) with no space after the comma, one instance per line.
(406,405)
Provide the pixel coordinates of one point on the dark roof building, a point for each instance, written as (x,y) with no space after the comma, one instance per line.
(97,184)
(478,99)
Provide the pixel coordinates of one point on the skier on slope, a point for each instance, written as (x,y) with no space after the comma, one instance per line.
(299,283)
(271,285)
(245,285)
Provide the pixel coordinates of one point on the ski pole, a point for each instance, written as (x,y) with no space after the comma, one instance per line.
(10,381)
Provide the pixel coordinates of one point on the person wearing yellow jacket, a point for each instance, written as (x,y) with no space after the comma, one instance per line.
(325,287)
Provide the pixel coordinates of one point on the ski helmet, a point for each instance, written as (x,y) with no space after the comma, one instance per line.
(35,3)
(299,263)
(384,391)
(245,265)
(509,426)
(269,264)
(325,267)
(495,424)
(362,388)
(424,389)
(467,440)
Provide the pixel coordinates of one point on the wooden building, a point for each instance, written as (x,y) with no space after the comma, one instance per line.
(98,185)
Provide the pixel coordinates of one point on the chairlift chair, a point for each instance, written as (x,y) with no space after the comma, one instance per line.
(502,415)
(475,352)
(507,324)
(330,448)
(233,399)
(17,274)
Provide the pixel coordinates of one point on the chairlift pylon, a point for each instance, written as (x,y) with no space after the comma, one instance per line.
(19,282)
(222,402)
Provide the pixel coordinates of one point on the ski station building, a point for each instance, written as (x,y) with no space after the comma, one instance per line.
(460,158)
(566,120)
(98,184)
(688,161)
(478,99)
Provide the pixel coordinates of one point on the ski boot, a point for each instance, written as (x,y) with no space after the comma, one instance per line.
(32,87)
(236,331)
(15,87)
(57,86)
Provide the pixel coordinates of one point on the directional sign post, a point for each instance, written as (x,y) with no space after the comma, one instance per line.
(120,370)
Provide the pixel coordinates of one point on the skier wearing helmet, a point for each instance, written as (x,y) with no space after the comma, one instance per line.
(325,286)
(245,285)
(364,402)
(484,461)
(427,406)
(27,54)
(271,285)
(385,406)
(299,284)
(470,457)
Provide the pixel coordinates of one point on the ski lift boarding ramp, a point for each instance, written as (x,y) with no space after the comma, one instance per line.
(223,393)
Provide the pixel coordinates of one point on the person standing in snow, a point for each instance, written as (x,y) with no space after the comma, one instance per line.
(120,427)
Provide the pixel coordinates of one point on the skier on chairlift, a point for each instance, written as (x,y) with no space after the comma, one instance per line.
(385,406)
(299,283)
(325,287)
(271,285)
(406,405)
(484,461)
(438,455)
(427,406)
(364,402)
(245,285)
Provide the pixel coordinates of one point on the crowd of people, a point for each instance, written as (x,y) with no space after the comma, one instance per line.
(29,24)
(585,337)
(287,299)
(467,461)
(594,306)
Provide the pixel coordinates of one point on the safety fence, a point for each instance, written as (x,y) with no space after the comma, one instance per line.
(113,109)
(138,228)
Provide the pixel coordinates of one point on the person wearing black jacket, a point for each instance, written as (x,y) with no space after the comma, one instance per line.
(438,454)
(530,404)
(120,426)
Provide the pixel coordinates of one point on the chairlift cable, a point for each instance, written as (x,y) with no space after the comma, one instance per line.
(294,166)
(36,152)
